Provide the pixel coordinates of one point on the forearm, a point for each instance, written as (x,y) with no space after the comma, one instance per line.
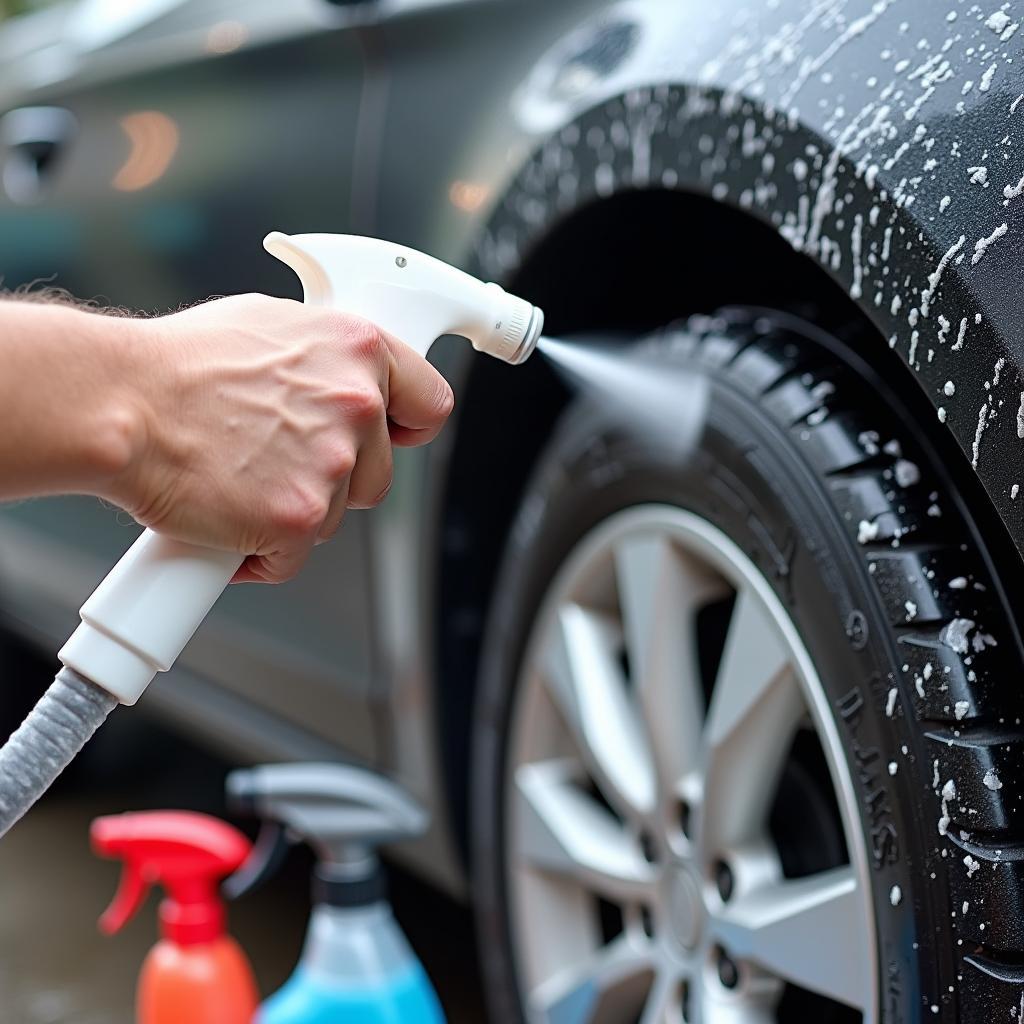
(70,420)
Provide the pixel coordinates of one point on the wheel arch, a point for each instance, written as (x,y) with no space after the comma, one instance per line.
(504,421)
(834,186)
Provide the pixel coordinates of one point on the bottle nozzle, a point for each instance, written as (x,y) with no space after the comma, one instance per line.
(184,853)
(343,812)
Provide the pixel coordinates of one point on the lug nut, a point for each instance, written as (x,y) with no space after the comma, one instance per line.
(728,972)
(724,880)
(684,1000)
(684,818)
(648,848)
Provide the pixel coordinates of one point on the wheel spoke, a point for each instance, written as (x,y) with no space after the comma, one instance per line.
(810,931)
(660,592)
(612,982)
(564,831)
(589,687)
(736,1011)
(755,708)
(662,1005)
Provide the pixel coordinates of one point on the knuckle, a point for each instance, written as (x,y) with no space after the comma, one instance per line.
(339,462)
(366,339)
(301,513)
(364,403)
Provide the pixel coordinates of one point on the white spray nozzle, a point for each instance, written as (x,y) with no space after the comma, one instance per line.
(142,615)
(411,295)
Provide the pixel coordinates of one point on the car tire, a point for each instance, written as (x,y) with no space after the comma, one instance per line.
(807,462)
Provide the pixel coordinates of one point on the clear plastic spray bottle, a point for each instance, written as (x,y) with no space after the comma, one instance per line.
(357,966)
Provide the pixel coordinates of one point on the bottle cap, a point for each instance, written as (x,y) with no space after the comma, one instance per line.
(183,852)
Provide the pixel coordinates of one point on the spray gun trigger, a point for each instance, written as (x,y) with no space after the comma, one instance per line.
(131,891)
(268,853)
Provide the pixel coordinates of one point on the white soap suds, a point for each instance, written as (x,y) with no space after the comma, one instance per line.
(959,343)
(982,244)
(948,793)
(997,21)
(960,708)
(978,432)
(906,472)
(991,780)
(1012,191)
(935,276)
(866,531)
(895,895)
(954,634)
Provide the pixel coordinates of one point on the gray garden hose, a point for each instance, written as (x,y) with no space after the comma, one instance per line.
(56,729)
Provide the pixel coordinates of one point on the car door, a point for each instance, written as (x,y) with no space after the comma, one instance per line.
(146,150)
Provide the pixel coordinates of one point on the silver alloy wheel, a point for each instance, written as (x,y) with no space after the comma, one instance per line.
(623,793)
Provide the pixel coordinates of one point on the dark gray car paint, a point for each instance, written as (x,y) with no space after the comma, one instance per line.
(484,123)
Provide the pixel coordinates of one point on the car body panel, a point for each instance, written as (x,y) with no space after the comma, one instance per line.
(480,125)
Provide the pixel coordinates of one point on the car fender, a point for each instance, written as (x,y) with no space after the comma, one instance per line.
(880,140)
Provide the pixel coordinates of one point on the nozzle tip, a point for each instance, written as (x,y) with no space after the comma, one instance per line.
(530,337)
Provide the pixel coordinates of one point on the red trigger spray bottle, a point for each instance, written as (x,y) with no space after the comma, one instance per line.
(196,973)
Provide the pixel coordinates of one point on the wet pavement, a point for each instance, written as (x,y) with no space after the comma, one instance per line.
(54,964)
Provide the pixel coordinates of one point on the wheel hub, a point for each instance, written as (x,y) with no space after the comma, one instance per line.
(685,907)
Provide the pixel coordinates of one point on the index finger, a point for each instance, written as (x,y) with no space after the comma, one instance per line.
(419,398)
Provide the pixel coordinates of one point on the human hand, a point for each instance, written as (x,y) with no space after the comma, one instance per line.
(264,420)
